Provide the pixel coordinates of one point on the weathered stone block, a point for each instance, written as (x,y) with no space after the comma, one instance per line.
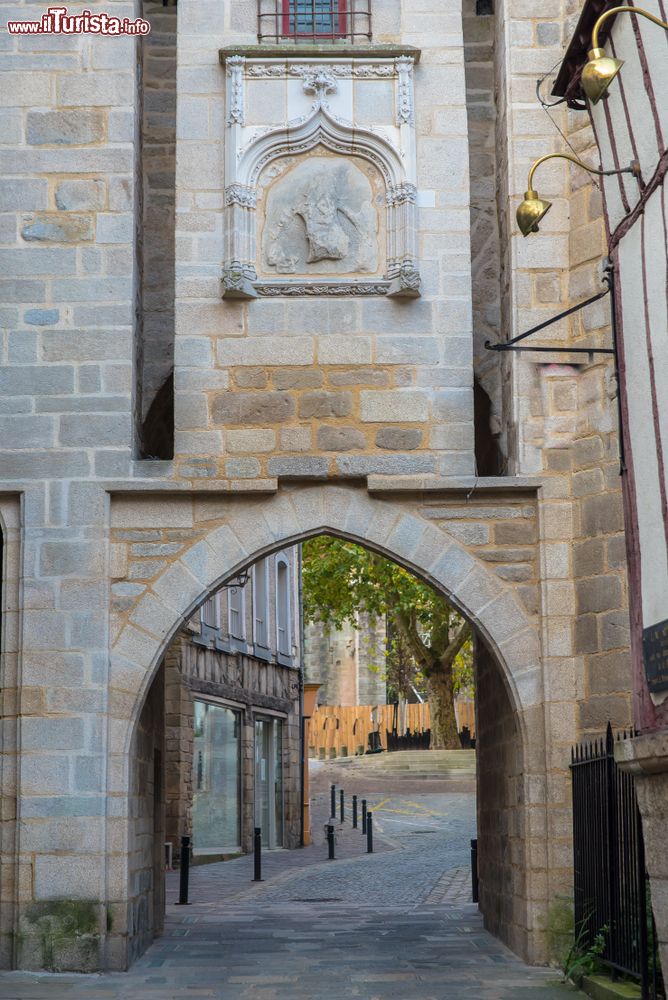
(298,378)
(115,228)
(299,468)
(398,438)
(250,441)
(407,350)
(242,468)
(325,404)
(41,317)
(51,227)
(402,406)
(22,194)
(296,439)
(74,196)
(251,378)
(65,128)
(360,376)
(340,439)
(252,408)
(601,593)
(615,631)
(397,465)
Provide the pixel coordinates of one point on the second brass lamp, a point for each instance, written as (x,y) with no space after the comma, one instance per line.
(533,209)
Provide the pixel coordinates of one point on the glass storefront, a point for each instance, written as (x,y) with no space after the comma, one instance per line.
(216,818)
(269,780)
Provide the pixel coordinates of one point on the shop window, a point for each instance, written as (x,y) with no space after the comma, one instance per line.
(269,780)
(216,813)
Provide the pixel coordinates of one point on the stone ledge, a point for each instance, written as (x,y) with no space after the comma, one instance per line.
(452,484)
(604,988)
(646,754)
(148,486)
(303,50)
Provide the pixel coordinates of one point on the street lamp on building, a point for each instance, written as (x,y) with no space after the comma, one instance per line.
(601,69)
(533,209)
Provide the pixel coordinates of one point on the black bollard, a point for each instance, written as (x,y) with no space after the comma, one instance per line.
(342,805)
(363,815)
(369,832)
(332,801)
(354,812)
(257,850)
(184,872)
(330,841)
(474,871)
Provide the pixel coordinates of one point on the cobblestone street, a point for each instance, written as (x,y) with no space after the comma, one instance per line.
(395,924)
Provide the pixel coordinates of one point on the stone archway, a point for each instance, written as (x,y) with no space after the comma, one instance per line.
(225,534)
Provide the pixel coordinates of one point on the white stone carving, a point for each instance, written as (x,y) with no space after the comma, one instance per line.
(320,219)
(273,70)
(269,289)
(235,76)
(319,83)
(402,194)
(405,112)
(240,194)
(318,231)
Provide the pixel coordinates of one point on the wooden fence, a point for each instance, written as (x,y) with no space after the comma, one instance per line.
(342,731)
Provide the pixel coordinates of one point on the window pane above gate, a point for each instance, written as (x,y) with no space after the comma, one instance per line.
(348,20)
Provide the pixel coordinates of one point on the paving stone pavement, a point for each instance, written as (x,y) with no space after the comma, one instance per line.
(394,924)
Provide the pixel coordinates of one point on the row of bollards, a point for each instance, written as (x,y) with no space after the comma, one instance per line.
(367,828)
(367,820)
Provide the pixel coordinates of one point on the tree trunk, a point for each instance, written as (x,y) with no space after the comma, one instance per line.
(444,735)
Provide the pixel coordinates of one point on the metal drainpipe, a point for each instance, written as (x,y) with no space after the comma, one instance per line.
(301,699)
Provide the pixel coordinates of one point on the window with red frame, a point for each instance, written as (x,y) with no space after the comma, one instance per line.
(315,18)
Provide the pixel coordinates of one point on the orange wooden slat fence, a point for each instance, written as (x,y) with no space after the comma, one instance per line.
(343,730)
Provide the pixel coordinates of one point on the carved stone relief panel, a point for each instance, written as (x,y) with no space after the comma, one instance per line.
(322,217)
(320,176)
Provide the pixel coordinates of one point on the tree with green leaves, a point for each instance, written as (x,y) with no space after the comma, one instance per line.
(430,643)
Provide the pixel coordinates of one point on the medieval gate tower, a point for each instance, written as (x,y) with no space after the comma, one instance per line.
(305,243)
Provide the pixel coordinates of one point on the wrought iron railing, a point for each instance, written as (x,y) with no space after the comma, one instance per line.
(611,889)
(314,20)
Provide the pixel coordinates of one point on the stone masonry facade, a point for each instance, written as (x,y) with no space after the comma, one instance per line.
(349,414)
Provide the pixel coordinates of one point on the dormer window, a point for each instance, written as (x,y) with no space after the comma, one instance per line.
(314,20)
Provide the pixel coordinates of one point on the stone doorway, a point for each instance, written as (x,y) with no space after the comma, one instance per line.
(220,536)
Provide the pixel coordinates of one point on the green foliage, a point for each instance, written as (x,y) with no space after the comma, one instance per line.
(581,961)
(560,929)
(62,925)
(429,644)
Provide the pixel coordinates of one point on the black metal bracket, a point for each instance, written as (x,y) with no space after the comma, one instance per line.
(609,280)
(510,345)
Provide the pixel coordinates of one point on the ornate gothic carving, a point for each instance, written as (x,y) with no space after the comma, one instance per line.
(405,114)
(268,289)
(319,83)
(235,75)
(240,194)
(323,221)
(320,218)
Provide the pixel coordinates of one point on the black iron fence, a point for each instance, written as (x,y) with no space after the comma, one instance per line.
(611,889)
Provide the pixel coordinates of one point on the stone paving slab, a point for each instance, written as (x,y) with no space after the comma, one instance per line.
(400,924)
(253,953)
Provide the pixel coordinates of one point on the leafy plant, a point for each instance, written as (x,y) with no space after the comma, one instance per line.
(581,960)
(430,644)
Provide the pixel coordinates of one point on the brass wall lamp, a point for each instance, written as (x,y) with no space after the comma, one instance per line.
(601,69)
(533,209)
